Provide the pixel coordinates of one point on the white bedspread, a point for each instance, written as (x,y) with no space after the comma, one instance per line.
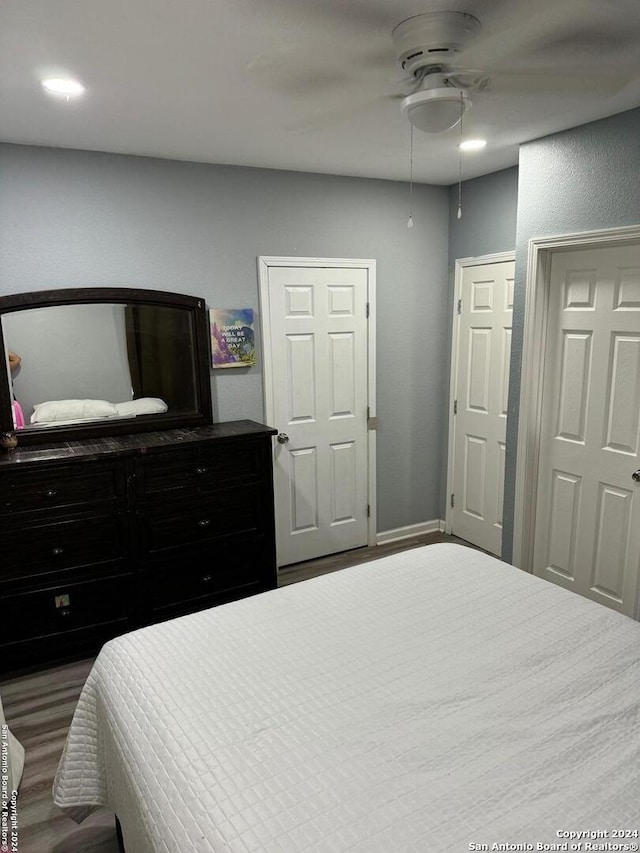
(424,702)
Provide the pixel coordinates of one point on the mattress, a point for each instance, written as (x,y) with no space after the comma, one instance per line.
(434,700)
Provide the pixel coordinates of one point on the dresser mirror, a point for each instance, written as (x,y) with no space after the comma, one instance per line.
(102,361)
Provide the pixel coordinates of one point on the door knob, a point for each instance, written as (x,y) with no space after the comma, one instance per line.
(636,476)
(283,438)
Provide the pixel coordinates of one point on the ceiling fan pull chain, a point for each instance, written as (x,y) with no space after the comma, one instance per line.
(410,220)
(459,214)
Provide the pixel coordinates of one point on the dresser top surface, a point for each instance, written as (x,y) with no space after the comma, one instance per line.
(131,445)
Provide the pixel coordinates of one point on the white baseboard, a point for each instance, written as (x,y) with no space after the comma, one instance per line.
(411,530)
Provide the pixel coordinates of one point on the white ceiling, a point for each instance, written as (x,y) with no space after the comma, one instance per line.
(296,84)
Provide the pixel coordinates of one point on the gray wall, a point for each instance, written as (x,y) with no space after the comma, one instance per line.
(582,179)
(487,226)
(489,211)
(73,218)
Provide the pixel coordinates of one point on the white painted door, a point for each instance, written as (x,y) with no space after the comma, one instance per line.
(481,391)
(587,535)
(318,354)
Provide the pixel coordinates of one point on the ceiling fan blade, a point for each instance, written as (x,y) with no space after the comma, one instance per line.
(514,33)
(360,14)
(341,111)
(324,44)
(292,70)
(550,83)
(323,63)
(321,118)
(318,70)
(587,43)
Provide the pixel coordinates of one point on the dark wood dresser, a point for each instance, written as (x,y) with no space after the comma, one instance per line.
(100,537)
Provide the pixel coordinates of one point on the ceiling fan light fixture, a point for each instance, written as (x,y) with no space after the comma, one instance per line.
(435,110)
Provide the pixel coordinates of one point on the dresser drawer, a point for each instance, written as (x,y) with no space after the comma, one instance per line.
(197,471)
(65,608)
(208,575)
(106,535)
(66,543)
(58,486)
(235,511)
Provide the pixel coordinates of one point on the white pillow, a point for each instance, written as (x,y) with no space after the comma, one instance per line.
(66,410)
(142,406)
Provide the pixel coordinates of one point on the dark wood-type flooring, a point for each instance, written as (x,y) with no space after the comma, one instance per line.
(39,706)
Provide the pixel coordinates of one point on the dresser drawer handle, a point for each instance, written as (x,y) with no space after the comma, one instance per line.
(204,522)
(57,552)
(206,578)
(202,470)
(51,493)
(65,612)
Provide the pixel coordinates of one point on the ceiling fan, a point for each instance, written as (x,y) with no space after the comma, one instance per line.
(448,58)
(426,48)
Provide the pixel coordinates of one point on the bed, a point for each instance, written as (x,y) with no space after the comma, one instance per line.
(434,700)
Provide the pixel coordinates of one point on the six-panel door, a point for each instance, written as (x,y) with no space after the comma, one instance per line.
(588,508)
(318,346)
(482,388)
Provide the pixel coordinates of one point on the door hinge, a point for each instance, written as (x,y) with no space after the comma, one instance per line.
(455,407)
(372,423)
(459,306)
(453,502)
(368,510)
(367,309)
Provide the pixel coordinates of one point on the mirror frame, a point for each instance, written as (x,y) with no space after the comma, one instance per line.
(200,416)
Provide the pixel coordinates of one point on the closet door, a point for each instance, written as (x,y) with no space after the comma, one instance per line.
(482,387)
(587,534)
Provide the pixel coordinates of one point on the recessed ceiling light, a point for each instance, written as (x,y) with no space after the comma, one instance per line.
(63,86)
(472,144)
